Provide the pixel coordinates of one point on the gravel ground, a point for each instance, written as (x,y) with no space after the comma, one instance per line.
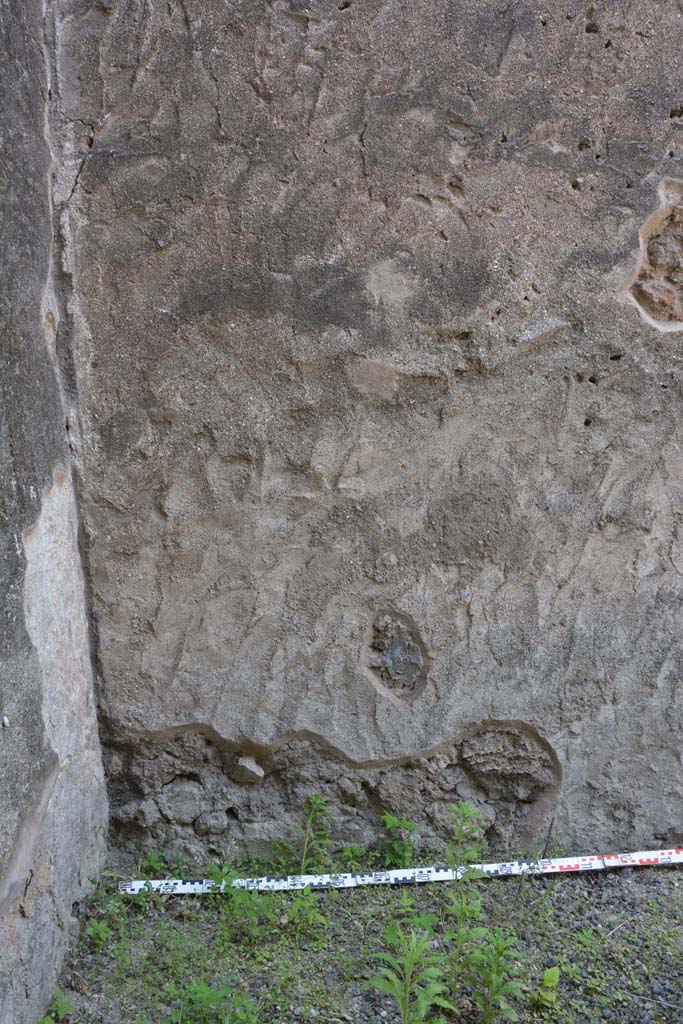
(617,938)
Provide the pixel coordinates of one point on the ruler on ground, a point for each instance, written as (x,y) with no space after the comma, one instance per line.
(410,876)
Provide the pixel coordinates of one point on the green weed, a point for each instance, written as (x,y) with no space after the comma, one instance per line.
(315,835)
(99,933)
(60,1008)
(412,975)
(466,845)
(242,1010)
(399,845)
(546,997)
(305,917)
(204,1002)
(353,857)
(495,974)
(152,865)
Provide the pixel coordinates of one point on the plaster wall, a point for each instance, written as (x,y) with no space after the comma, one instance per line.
(379,410)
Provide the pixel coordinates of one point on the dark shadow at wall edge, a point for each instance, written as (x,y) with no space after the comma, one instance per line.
(53,810)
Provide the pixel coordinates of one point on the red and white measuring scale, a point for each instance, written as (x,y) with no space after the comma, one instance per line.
(411,876)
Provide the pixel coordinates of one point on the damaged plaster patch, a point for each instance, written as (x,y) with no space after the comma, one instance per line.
(508,764)
(374,379)
(390,285)
(190,801)
(511,767)
(397,656)
(656,286)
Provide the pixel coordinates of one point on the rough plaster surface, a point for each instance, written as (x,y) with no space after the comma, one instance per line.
(381,465)
(52,799)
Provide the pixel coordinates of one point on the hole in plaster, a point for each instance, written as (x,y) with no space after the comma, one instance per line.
(656,285)
(396,655)
(587,422)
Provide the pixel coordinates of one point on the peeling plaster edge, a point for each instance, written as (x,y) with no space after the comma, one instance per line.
(232,747)
(670,193)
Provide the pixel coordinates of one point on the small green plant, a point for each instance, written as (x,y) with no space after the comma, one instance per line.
(204,1000)
(60,1008)
(315,835)
(239,919)
(466,845)
(352,857)
(304,914)
(573,971)
(546,997)
(480,958)
(590,939)
(242,1010)
(222,876)
(99,932)
(464,907)
(244,915)
(412,975)
(410,916)
(178,866)
(399,845)
(249,865)
(153,865)
(283,858)
(106,901)
(465,935)
(495,973)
